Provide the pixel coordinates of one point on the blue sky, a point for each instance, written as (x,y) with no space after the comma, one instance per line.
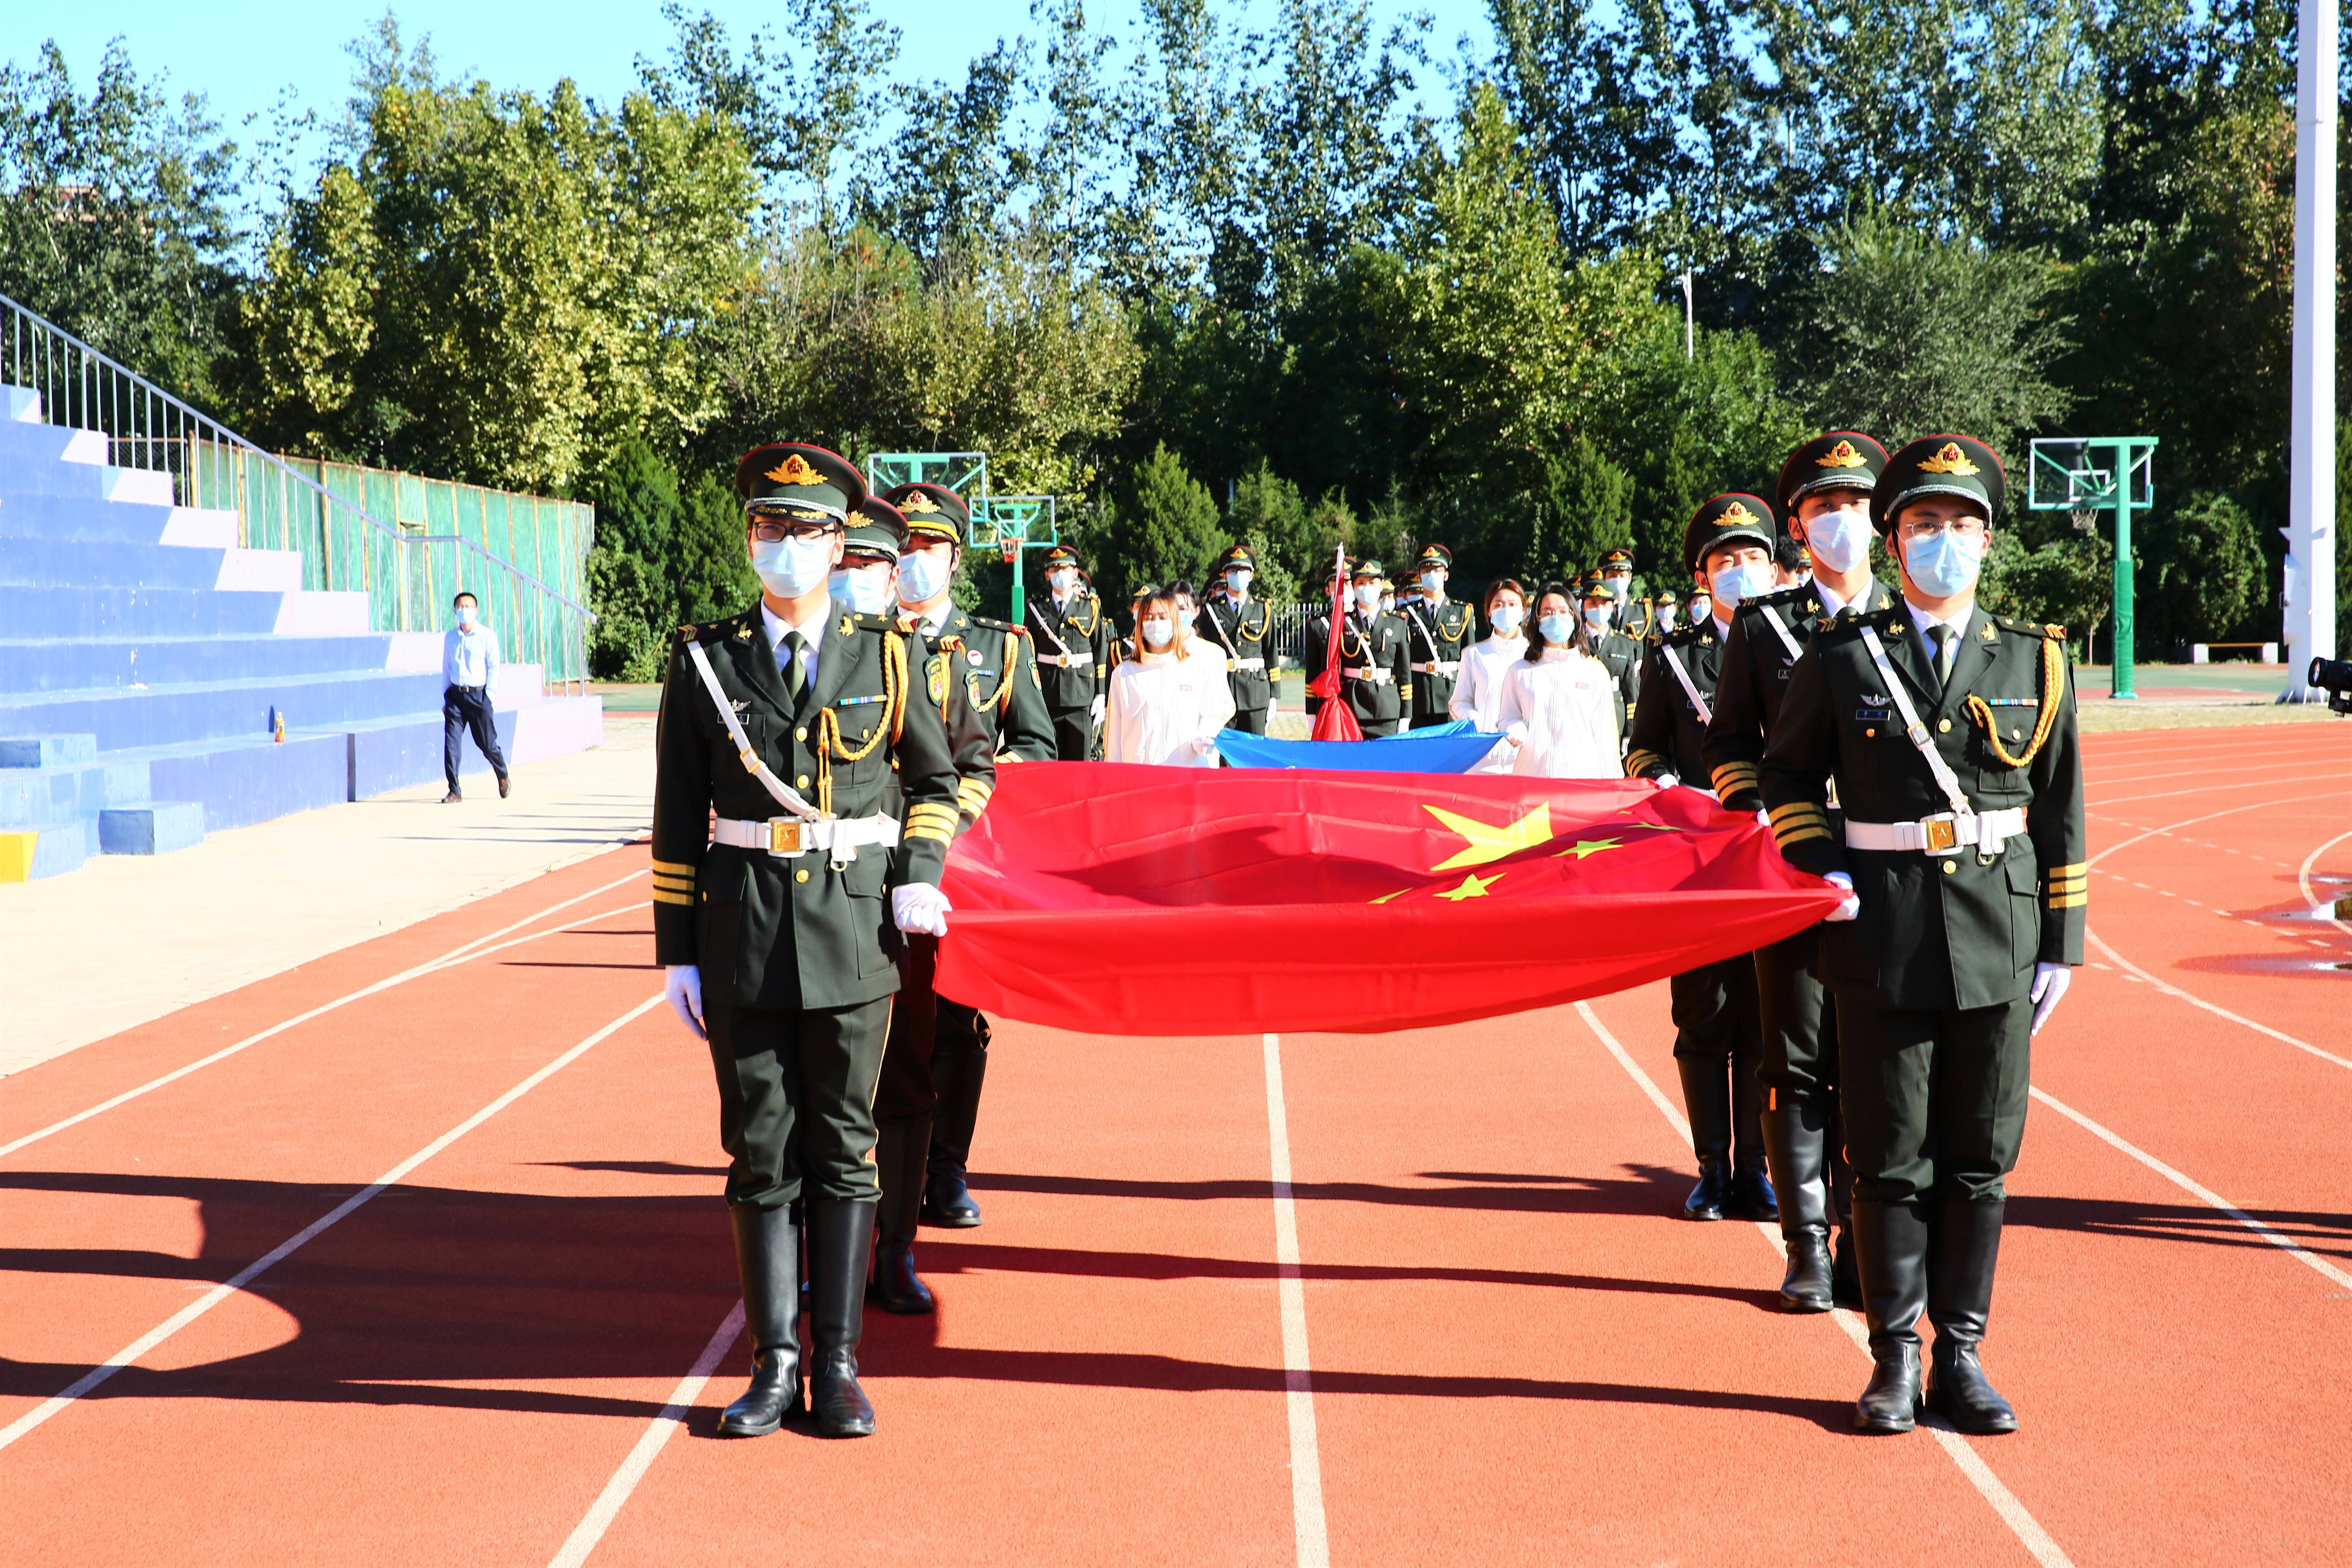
(242,54)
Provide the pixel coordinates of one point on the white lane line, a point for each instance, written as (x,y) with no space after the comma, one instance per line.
(466,954)
(2003,1502)
(2302,880)
(2212,788)
(1314,1545)
(2133,971)
(2203,1193)
(659,1431)
(293,1243)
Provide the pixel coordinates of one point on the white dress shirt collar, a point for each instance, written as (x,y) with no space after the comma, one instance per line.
(1832,603)
(811,634)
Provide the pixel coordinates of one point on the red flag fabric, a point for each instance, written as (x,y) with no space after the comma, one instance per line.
(1335,721)
(1126,900)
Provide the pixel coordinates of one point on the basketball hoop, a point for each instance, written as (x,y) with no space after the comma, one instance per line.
(1008,549)
(2085,519)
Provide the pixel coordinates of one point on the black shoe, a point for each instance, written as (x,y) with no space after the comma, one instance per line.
(1806,1286)
(1751,1194)
(1713,1194)
(841,1240)
(452,798)
(902,1149)
(502,786)
(1959,1299)
(947,1201)
(1892,1243)
(767,1256)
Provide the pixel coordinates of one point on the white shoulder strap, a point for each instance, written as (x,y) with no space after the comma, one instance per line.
(775,786)
(1796,650)
(1690,689)
(1945,780)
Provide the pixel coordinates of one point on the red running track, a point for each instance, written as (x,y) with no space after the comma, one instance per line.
(1466,1328)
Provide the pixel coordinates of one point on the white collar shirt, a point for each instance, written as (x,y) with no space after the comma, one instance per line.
(811,638)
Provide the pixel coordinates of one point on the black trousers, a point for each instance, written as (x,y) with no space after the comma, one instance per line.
(1073,734)
(959,1067)
(1717,1023)
(1799,1022)
(905,1092)
(1934,1098)
(1248,721)
(796,1101)
(464,708)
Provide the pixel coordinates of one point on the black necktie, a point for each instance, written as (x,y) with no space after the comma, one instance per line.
(1941,635)
(796,678)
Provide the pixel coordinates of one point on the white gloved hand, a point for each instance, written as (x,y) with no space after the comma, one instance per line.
(2050,984)
(1096,713)
(682,988)
(1665,781)
(1202,746)
(918,907)
(1516,733)
(1763,817)
(1852,905)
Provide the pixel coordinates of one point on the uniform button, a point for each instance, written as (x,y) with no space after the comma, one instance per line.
(1870,734)
(803,875)
(1948,866)
(1944,726)
(801,733)
(801,782)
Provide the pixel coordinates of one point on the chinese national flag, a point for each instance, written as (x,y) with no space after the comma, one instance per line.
(1125,900)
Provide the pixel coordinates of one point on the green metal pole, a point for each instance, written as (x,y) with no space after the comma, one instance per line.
(2120,675)
(1018,601)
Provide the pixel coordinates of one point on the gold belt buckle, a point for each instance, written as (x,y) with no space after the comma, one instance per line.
(785,835)
(1943,832)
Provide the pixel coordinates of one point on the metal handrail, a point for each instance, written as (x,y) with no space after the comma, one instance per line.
(149,429)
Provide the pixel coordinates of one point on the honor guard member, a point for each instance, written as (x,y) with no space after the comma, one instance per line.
(1237,626)
(1375,673)
(1620,653)
(1950,736)
(1824,497)
(995,664)
(1074,641)
(1437,629)
(1634,616)
(1717,1035)
(781,886)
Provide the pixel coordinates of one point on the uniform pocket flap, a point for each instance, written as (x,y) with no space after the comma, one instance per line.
(863,876)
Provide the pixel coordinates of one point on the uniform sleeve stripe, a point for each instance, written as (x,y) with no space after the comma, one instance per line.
(1635,761)
(665,896)
(1785,837)
(672,868)
(928,831)
(2076,869)
(2069,901)
(2066,884)
(675,884)
(1798,811)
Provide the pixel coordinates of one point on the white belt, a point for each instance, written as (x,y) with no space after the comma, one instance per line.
(787,838)
(1366,672)
(1251,664)
(1065,660)
(1938,834)
(1442,667)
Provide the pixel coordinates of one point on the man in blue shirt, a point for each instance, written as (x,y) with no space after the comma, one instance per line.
(469,661)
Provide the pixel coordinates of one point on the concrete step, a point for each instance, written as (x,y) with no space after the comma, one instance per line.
(220,709)
(48,664)
(46,797)
(95,564)
(28,611)
(155,827)
(51,459)
(88,516)
(47,751)
(30,854)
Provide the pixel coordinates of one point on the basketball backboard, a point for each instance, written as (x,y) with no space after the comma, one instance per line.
(2078,473)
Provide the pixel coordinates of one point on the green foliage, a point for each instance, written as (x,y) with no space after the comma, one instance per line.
(1172,533)
(2207,571)
(2067,581)
(627,596)
(710,569)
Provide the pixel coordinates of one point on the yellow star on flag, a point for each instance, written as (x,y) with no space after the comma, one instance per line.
(1473,886)
(1584,847)
(1489,841)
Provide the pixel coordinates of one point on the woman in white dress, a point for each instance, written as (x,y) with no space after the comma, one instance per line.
(1478,689)
(1557,709)
(1165,707)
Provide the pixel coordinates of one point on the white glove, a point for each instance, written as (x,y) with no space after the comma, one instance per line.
(1096,713)
(1273,707)
(1665,781)
(1763,817)
(1852,905)
(682,988)
(1516,733)
(1202,746)
(2050,984)
(919,906)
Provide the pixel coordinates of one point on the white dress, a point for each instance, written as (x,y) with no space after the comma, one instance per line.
(1162,702)
(1478,692)
(1567,701)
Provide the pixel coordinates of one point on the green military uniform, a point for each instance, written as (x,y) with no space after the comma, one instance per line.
(1073,653)
(1964,905)
(994,663)
(1436,635)
(791,924)
(1717,1029)
(1620,653)
(1240,631)
(1799,1072)
(1375,664)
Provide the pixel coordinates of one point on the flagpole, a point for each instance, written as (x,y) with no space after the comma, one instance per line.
(2309,590)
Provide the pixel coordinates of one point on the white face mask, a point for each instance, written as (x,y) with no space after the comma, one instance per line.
(921,575)
(1597,616)
(1368,596)
(1433,584)
(1620,586)
(1840,541)
(1237,584)
(1158,633)
(1062,580)
(1505,619)
(1733,584)
(865,589)
(465,614)
(791,568)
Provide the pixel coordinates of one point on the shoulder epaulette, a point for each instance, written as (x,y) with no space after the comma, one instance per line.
(996,626)
(1681,636)
(855,620)
(1777,596)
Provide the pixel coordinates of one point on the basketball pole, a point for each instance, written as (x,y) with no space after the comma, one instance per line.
(2310,583)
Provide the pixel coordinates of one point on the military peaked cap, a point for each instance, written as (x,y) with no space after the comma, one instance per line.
(1596,585)
(785,475)
(876,528)
(1841,461)
(1958,466)
(1436,555)
(1727,519)
(932,511)
(1060,555)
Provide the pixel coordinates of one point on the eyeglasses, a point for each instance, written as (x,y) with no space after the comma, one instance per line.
(1928,527)
(772,530)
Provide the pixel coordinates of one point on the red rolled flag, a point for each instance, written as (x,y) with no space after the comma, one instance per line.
(1335,721)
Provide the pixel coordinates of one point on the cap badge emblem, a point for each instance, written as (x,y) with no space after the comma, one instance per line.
(794,470)
(1948,459)
(1841,455)
(917,501)
(1736,515)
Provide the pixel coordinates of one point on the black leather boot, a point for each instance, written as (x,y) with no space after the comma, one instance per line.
(1751,1186)
(841,1240)
(1892,1241)
(1706,1101)
(1845,1278)
(958,1067)
(1959,1298)
(1794,1138)
(768,1257)
(902,1151)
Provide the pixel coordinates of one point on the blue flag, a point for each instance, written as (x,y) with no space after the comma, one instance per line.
(1453,747)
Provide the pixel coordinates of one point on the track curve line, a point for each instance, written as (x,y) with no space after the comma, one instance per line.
(2303,880)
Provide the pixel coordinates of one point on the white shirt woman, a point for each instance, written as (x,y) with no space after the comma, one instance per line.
(1478,688)
(1165,707)
(1559,706)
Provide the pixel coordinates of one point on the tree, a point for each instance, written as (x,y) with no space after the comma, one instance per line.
(2208,569)
(1173,534)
